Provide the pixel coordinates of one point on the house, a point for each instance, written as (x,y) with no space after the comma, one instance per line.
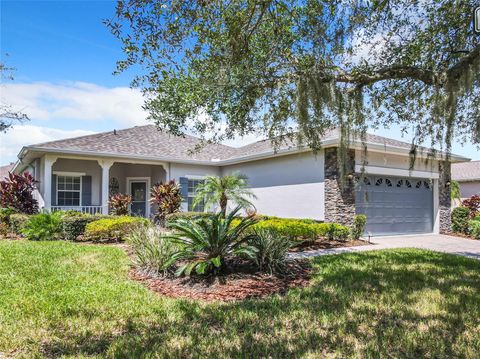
(467,174)
(4,170)
(80,173)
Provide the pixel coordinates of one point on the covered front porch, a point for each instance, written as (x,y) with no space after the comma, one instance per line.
(85,184)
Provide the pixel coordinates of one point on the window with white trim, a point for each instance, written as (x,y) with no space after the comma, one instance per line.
(192,192)
(69,190)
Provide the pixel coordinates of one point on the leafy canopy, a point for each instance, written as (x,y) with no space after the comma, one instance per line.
(297,68)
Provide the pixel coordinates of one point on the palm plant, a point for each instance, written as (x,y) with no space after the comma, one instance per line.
(220,190)
(205,243)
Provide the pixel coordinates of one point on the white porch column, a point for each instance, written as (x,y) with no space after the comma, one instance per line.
(105,164)
(47,180)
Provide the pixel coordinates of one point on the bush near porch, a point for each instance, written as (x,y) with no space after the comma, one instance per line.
(115,228)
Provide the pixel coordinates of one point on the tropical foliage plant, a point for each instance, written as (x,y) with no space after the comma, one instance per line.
(271,249)
(207,242)
(43,227)
(119,204)
(167,197)
(16,192)
(473,204)
(152,249)
(222,190)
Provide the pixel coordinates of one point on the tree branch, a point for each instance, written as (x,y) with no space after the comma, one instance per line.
(428,77)
(387,73)
(454,71)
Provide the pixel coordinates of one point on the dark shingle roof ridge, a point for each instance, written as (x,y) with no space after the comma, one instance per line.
(125,130)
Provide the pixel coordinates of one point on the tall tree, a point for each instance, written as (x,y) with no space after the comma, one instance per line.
(8,114)
(294,69)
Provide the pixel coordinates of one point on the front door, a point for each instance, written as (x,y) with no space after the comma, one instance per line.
(138,190)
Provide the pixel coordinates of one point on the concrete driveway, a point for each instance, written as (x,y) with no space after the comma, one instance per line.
(435,242)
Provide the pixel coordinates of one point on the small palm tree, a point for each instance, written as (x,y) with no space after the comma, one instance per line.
(220,190)
(205,243)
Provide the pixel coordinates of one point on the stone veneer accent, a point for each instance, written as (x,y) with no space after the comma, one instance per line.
(444,198)
(339,200)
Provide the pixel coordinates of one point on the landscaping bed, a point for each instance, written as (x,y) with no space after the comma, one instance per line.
(327,244)
(238,282)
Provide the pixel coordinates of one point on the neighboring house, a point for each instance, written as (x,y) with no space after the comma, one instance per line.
(4,170)
(81,172)
(467,174)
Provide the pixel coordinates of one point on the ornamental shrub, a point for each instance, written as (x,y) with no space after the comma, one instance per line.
(115,228)
(474,228)
(460,216)
(295,229)
(18,221)
(152,249)
(4,229)
(16,192)
(119,204)
(5,214)
(473,204)
(168,199)
(74,223)
(43,227)
(271,249)
(337,232)
(358,228)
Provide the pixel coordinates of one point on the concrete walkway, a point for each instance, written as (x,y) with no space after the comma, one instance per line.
(434,242)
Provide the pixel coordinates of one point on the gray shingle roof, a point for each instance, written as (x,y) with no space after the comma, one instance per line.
(466,171)
(148,141)
(5,169)
(145,141)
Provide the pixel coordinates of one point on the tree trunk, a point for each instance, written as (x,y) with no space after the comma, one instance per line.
(223,205)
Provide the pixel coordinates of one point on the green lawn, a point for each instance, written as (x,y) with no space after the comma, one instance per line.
(73,300)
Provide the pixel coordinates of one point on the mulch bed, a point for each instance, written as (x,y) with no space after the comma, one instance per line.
(326,244)
(238,282)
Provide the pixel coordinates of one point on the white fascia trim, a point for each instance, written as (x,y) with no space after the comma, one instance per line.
(327,143)
(118,155)
(463,180)
(386,171)
(73,174)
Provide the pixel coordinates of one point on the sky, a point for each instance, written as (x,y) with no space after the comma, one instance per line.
(64,58)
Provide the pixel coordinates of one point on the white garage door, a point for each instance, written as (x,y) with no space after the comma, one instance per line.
(395,205)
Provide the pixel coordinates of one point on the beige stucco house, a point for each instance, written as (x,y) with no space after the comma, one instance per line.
(80,173)
(467,174)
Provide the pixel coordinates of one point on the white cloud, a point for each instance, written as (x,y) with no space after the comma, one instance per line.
(12,142)
(76,101)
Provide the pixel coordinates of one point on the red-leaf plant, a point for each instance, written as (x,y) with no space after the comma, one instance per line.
(16,192)
(119,204)
(473,204)
(167,197)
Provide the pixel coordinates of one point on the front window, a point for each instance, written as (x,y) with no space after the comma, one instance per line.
(192,191)
(68,190)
